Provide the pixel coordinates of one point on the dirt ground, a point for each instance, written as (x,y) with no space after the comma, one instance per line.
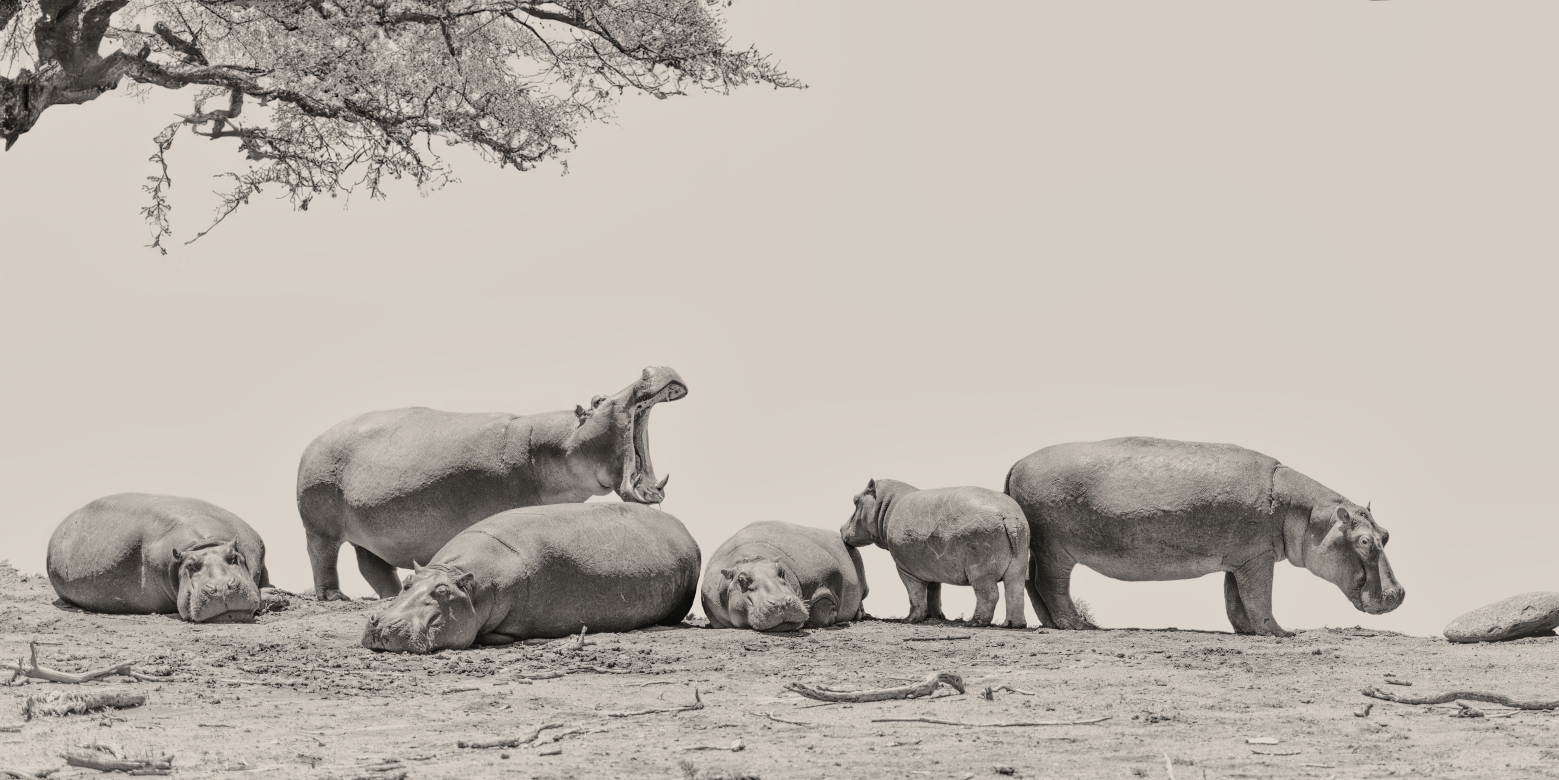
(294,695)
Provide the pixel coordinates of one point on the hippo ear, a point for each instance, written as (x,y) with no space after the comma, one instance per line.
(1343,516)
(1367,508)
(416,568)
(465,581)
(871,488)
(579,411)
(178,555)
(727,573)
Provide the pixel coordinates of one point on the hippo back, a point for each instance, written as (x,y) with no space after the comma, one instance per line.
(1142,478)
(555,568)
(115,555)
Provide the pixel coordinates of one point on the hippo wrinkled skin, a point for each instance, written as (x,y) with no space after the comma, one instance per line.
(958,536)
(138,554)
(544,571)
(773,576)
(1155,509)
(397,485)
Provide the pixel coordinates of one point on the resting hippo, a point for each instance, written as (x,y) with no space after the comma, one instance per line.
(774,576)
(397,485)
(958,535)
(139,554)
(1155,509)
(544,571)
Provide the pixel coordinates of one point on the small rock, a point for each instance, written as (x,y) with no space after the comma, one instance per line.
(273,600)
(551,751)
(1516,617)
(1003,769)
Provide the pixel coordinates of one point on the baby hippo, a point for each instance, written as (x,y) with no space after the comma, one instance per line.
(959,535)
(140,554)
(774,576)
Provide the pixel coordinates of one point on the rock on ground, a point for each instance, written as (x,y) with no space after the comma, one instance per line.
(1528,614)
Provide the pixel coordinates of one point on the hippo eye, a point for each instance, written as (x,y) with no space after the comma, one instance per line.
(192,563)
(744,581)
(442,590)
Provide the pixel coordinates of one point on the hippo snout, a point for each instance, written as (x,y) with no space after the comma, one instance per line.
(786,615)
(1390,599)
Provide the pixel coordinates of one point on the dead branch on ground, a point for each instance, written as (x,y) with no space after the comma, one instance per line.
(1169,766)
(512,742)
(1003,724)
(17,773)
(1275,752)
(540,676)
(735,747)
(111,758)
(1010,689)
(36,672)
(58,703)
(778,719)
(923,688)
(937,638)
(697,704)
(1446,698)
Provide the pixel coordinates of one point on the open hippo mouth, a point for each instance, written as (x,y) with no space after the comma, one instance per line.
(638,482)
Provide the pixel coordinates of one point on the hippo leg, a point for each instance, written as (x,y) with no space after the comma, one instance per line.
(322,557)
(1053,581)
(1235,608)
(1012,591)
(823,610)
(934,601)
(379,573)
(494,640)
(917,597)
(1253,585)
(1039,604)
(986,592)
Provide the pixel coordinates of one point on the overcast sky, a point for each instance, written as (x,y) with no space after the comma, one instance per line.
(1323,230)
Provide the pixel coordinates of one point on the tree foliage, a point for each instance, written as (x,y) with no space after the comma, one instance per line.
(335,96)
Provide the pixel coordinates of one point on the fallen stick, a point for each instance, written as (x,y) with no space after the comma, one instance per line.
(599,670)
(778,719)
(103,761)
(17,773)
(1394,681)
(511,742)
(1003,724)
(1011,689)
(1445,698)
(937,638)
(1275,752)
(11,729)
(557,735)
(654,682)
(36,672)
(697,704)
(57,703)
(459,690)
(1169,766)
(540,676)
(923,688)
(580,642)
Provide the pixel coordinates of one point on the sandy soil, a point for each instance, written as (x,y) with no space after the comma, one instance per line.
(296,696)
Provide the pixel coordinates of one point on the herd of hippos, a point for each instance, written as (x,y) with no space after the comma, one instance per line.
(488,512)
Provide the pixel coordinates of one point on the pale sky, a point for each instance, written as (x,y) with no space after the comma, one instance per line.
(1321,230)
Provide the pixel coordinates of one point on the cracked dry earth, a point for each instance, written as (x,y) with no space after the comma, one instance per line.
(295,696)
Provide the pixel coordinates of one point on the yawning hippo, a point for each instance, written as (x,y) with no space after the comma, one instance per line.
(1155,509)
(958,535)
(774,576)
(139,554)
(400,484)
(544,571)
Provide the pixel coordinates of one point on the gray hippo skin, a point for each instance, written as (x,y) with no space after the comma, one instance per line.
(1155,509)
(397,485)
(958,535)
(774,576)
(140,554)
(544,571)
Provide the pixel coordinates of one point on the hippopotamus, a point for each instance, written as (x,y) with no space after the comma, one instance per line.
(1154,509)
(774,576)
(399,484)
(958,535)
(140,554)
(544,571)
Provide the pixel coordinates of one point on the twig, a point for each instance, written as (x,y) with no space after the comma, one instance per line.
(101,758)
(697,704)
(1394,681)
(1444,698)
(459,690)
(33,670)
(11,729)
(1275,752)
(1169,766)
(599,670)
(654,682)
(735,747)
(1003,724)
(540,676)
(937,638)
(512,742)
(17,773)
(1011,689)
(923,688)
(773,717)
(580,642)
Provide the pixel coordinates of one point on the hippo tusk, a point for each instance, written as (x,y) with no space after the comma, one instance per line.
(663,481)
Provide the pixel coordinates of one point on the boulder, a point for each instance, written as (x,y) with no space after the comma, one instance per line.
(1528,614)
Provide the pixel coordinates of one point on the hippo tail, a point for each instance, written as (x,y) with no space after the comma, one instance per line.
(1015,526)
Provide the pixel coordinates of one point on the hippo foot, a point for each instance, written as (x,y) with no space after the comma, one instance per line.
(978,623)
(332,594)
(1015,624)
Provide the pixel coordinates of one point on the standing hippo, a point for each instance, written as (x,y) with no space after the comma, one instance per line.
(397,485)
(139,554)
(774,576)
(1154,509)
(958,535)
(544,571)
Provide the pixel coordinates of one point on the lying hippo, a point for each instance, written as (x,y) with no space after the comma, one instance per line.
(1155,509)
(139,554)
(544,571)
(774,576)
(397,485)
(959,535)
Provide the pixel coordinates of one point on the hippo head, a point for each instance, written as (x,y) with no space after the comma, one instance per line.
(1342,544)
(763,594)
(434,611)
(617,429)
(863,527)
(215,584)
